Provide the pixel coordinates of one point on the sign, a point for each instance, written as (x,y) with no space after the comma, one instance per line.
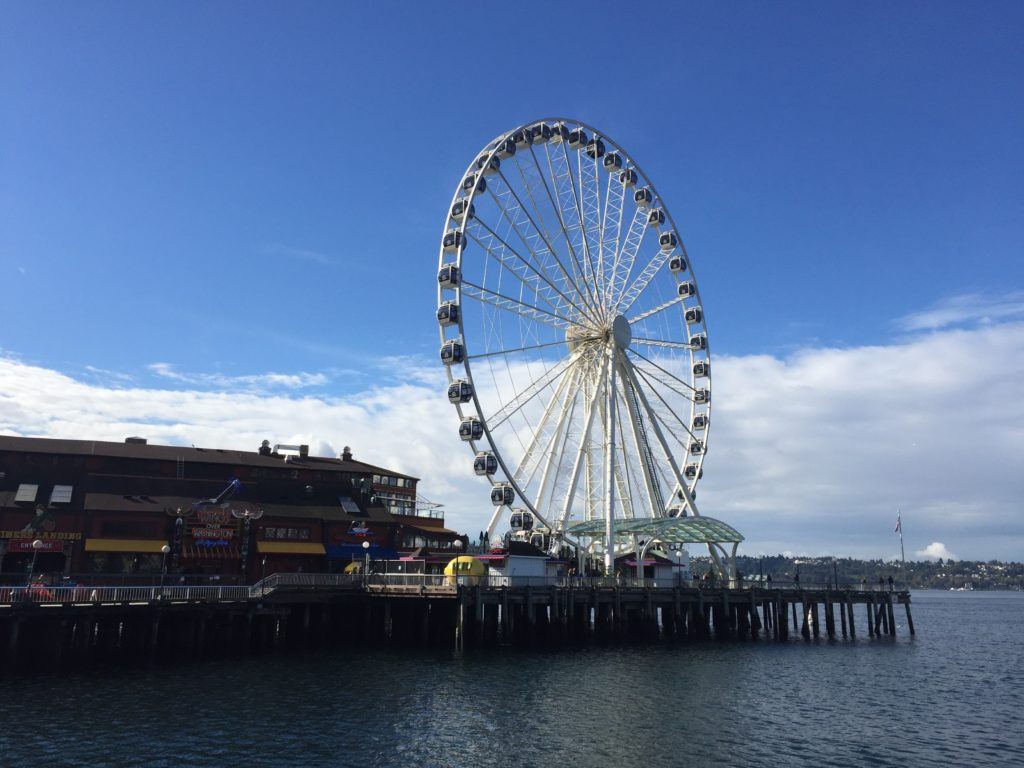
(44,535)
(25,545)
(213,533)
(213,516)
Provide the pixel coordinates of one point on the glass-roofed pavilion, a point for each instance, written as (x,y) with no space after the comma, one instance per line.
(678,530)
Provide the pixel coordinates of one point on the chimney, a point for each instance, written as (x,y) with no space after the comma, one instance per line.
(303,451)
(135,441)
(346,454)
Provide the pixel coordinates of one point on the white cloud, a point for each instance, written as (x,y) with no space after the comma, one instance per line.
(303,254)
(966,309)
(810,453)
(260,381)
(934,551)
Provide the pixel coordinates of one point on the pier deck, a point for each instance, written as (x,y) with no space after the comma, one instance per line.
(46,625)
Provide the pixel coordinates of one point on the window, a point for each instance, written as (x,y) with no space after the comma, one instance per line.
(61,494)
(116,529)
(348,505)
(295,534)
(26,492)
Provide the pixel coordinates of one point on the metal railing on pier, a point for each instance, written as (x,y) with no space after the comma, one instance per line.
(43,595)
(40,594)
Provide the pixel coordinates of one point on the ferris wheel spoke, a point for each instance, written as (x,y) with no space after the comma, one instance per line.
(537,225)
(590,206)
(521,308)
(516,350)
(517,475)
(533,389)
(588,267)
(666,372)
(519,269)
(553,453)
(655,310)
(529,265)
(532,247)
(555,199)
(611,230)
(643,279)
(625,259)
(660,343)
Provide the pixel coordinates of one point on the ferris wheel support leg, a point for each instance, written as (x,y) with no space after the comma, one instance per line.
(609,478)
(636,429)
(578,463)
(627,368)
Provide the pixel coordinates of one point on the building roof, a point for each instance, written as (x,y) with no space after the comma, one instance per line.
(419,524)
(187,453)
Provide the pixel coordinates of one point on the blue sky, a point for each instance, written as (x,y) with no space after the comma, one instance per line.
(234,189)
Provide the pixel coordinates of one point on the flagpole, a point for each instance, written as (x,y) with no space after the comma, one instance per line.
(903,555)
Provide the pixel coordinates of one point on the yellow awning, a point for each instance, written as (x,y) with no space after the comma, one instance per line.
(290,548)
(124,545)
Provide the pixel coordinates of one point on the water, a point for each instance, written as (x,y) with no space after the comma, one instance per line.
(952,696)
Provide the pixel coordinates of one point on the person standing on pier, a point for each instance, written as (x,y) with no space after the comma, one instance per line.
(890,584)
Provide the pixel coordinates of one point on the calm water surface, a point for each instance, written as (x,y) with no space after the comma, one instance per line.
(951,697)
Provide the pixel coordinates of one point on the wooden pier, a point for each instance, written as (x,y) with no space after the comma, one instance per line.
(300,610)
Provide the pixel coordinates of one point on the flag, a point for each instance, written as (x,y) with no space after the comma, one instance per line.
(899,524)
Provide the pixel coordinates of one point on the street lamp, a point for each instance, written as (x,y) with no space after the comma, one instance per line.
(457,544)
(165,550)
(366,563)
(36,546)
(263,574)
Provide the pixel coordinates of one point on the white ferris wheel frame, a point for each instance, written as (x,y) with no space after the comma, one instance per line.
(617,364)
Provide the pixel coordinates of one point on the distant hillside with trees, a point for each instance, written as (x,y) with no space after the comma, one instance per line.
(938,574)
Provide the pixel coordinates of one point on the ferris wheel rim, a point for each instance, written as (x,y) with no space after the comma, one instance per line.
(487,437)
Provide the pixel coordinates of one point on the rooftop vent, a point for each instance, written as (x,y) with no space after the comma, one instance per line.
(346,454)
(135,441)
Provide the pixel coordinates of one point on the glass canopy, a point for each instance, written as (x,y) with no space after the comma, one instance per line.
(684,530)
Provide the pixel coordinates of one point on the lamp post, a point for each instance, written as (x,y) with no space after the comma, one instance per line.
(366,561)
(164,550)
(37,544)
(457,544)
(263,574)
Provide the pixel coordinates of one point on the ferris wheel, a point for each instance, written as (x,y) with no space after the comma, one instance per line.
(574,338)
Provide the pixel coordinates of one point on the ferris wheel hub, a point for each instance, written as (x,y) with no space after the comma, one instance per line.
(621,334)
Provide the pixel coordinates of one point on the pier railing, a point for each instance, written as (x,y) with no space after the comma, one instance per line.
(42,595)
(279,583)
